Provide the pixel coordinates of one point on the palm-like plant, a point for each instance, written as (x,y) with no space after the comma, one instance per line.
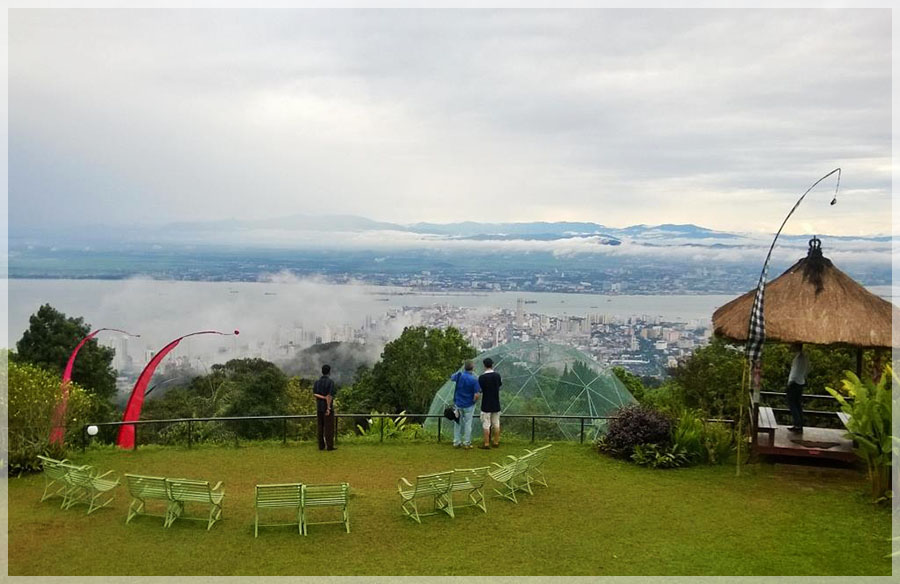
(870,424)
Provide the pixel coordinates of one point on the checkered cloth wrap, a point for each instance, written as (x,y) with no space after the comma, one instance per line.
(756,334)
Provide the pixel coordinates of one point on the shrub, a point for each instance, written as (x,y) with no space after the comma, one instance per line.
(687,435)
(870,425)
(656,456)
(718,441)
(33,397)
(393,428)
(635,425)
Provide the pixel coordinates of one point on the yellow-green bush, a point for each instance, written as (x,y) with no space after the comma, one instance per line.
(34,394)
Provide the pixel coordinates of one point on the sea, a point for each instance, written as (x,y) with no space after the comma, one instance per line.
(164,309)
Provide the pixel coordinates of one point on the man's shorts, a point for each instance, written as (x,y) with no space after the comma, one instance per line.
(489,419)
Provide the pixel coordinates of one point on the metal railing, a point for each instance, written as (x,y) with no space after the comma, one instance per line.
(285,418)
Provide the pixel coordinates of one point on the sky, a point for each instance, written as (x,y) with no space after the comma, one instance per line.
(717,118)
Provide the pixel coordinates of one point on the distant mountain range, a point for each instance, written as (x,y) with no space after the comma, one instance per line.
(235,229)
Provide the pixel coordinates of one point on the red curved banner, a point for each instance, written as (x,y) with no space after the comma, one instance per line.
(58,428)
(136,401)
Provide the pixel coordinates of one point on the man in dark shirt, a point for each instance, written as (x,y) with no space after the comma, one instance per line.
(490,383)
(323,389)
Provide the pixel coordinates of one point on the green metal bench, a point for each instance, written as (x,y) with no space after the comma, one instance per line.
(318,496)
(280,496)
(435,486)
(146,488)
(55,472)
(87,487)
(184,491)
(513,476)
(471,482)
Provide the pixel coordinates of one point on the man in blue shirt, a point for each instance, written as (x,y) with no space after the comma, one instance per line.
(465,395)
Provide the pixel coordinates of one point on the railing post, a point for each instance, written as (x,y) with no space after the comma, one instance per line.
(382,430)
(135,437)
(532,429)
(83,438)
(284,431)
(190,433)
(582,430)
(439,428)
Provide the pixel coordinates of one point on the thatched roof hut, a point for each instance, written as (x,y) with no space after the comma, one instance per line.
(814,302)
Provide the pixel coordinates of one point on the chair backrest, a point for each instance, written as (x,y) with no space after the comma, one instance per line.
(521,465)
(433,484)
(57,469)
(79,476)
(325,495)
(538,455)
(283,495)
(46,460)
(468,478)
(144,487)
(189,490)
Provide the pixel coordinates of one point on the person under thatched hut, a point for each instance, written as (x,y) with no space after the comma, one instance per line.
(795,386)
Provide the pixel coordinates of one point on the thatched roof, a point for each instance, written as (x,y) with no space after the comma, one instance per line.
(814,302)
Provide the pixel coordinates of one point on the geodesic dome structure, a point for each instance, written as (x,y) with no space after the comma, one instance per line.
(542,378)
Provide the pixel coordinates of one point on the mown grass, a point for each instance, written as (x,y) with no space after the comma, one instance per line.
(598,517)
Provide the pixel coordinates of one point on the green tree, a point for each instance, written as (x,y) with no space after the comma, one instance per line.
(710,380)
(632,382)
(34,395)
(411,369)
(247,387)
(50,339)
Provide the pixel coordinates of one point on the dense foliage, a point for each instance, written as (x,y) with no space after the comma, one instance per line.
(34,395)
(870,424)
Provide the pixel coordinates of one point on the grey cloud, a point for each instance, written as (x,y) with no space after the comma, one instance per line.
(429,115)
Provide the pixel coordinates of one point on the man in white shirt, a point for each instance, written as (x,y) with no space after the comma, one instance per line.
(796,385)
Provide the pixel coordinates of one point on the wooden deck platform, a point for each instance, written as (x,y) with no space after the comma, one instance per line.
(784,444)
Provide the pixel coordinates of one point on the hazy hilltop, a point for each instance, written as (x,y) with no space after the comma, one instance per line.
(344,358)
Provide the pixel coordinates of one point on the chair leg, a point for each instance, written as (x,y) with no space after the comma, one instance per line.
(132,512)
(215,514)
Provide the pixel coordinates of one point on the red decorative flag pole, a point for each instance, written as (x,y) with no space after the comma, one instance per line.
(136,401)
(58,429)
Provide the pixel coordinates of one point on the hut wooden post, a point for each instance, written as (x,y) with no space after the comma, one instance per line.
(859,362)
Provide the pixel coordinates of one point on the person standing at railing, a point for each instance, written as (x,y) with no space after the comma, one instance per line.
(324,391)
(490,383)
(795,386)
(464,397)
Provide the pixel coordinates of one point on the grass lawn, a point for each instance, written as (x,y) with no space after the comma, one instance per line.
(598,517)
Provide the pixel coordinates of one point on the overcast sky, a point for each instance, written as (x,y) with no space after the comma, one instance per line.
(718,118)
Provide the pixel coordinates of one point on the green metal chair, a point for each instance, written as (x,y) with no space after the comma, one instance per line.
(146,488)
(471,482)
(318,496)
(89,488)
(536,460)
(55,477)
(513,476)
(435,486)
(186,491)
(279,496)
